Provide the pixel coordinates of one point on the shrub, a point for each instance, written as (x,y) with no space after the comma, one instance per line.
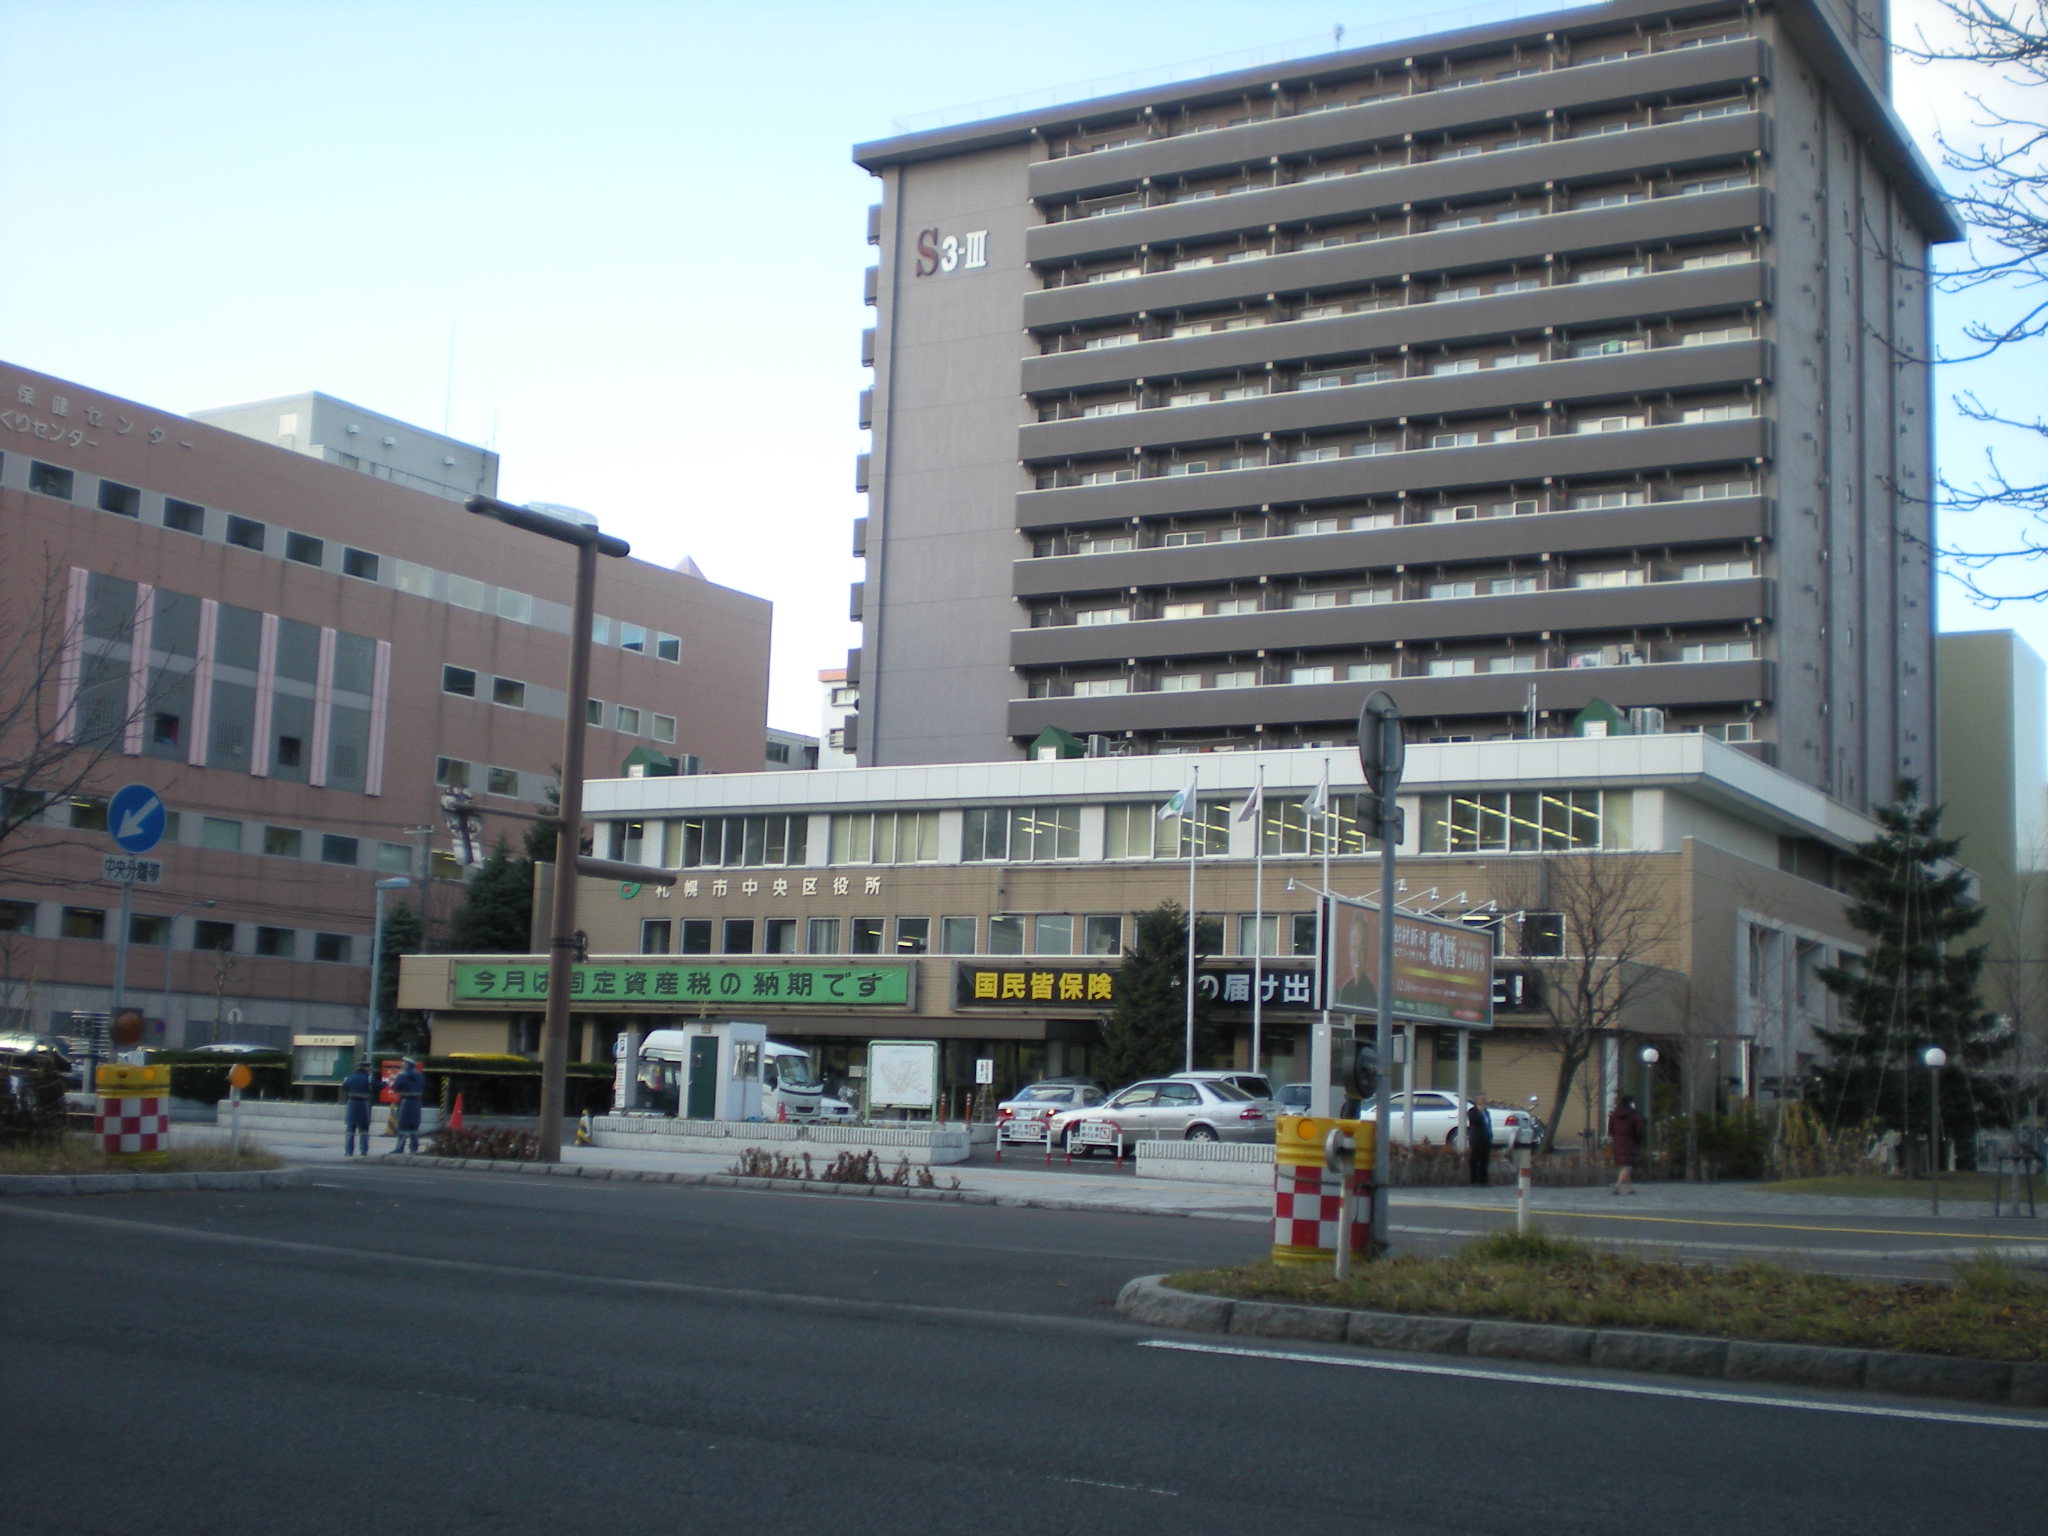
(847,1168)
(499,1144)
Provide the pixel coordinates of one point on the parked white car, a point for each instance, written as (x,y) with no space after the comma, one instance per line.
(1440,1121)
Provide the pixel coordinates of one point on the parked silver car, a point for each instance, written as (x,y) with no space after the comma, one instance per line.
(1161,1109)
(1257,1084)
(1023,1115)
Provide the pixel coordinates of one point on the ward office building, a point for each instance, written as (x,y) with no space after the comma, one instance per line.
(1557,360)
(302,658)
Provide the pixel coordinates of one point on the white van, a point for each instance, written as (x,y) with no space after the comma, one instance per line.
(728,1072)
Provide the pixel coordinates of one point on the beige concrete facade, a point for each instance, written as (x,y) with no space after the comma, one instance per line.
(328,653)
(1721,849)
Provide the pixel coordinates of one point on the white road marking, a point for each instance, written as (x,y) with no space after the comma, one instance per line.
(1629,1388)
(1089,1482)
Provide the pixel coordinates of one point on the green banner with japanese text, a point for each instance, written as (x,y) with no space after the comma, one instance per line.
(729,984)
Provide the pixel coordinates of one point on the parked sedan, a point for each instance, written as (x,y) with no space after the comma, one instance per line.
(1023,1115)
(1439,1121)
(1162,1109)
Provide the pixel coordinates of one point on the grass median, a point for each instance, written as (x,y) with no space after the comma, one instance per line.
(1989,1311)
(77,1153)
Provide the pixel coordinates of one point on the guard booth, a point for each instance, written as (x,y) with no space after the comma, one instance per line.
(704,1071)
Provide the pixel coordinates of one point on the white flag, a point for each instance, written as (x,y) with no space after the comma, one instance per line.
(1250,809)
(1183,802)
(1318,803)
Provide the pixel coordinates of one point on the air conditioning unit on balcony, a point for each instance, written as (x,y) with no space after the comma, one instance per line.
(1646,722)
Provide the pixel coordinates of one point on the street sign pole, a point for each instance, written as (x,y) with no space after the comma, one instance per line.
(1382,752)
(121,953)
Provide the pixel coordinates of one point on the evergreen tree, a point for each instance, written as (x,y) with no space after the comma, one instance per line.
(1145,1033)
(496,915)
(402,935)
(1914,988)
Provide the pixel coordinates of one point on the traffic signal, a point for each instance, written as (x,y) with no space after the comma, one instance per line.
(1364,1079)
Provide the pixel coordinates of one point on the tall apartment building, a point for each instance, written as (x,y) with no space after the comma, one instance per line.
(301,660)
(1554,361)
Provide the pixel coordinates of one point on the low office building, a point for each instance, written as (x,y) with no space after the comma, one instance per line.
(301,660)
(986,906)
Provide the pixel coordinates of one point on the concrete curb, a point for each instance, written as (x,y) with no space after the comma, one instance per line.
(802,1187)
(2024,1385)
(148,1183)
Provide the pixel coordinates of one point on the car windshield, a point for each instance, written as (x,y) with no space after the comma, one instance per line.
(795,1071)
(1226,1090)
(1044,1093)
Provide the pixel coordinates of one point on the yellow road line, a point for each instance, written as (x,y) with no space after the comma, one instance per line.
(1695,1221)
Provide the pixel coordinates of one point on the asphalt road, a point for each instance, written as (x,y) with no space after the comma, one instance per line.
(458,1352)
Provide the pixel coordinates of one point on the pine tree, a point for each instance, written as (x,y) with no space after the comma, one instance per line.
(1914,988)
(1145,1033)
(402,936)
(496,915)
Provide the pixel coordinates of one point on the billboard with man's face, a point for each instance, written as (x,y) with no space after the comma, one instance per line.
(1443,972)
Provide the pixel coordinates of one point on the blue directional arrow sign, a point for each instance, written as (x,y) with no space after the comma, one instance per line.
(135,817)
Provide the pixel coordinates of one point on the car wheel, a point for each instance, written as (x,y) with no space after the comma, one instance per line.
(1201,1133)
(1451,1139)
(1073,1150)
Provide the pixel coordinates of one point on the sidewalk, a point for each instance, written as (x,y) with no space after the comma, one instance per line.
(1026,1182)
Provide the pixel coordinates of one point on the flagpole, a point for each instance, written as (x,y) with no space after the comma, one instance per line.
(1187,812)
(1258,910)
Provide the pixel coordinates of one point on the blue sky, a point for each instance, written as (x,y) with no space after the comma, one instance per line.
(633,226)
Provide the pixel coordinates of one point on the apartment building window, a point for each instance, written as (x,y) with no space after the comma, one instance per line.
(885,837)
(334,948)
(593,711)
(336,849)
(1369,671)
(245,533)
(1519,821)
(656,933)
(1238,678)
(1629,577)
(1317,674)
(88,813)
(451,773)
(1180,682)
(394,859)
(460,681)
(277,943)
(956,935)
(913,935)
(282,842)
(1100,687)
(1519,661)
(304,549)
(1716,335)
(184,517)
(1451,666)
(1594,501)
(1102,934)
(628,722)
(664,729)
(1718,650)
(359,563)
(694,936)
(737,936)
(17,917)
(1448,589)
(1717,570)
(1716,490)
(778,936)
(508,691)
(1692,415)
(1022,834)
(1608,346)
(1513,586)
(220,834)
(212,937)
(83,923)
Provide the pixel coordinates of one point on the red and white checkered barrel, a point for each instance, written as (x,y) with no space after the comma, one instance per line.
(134,1110)
(1308,1198)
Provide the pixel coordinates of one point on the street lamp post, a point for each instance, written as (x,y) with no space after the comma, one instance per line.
(563,943)
(170,933)
(394,883)
(1936,1058)
(1650,1056)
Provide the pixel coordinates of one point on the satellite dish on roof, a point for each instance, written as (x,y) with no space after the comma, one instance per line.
(563,514)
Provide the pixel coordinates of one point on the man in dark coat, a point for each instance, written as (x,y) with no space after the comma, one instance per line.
(408,1086)
(357,1089)
(1479,1140)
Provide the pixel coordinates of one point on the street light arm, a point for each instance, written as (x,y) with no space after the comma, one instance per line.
(549,527)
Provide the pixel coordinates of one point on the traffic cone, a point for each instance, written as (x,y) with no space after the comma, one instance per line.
(583,1130)
(455,1115)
